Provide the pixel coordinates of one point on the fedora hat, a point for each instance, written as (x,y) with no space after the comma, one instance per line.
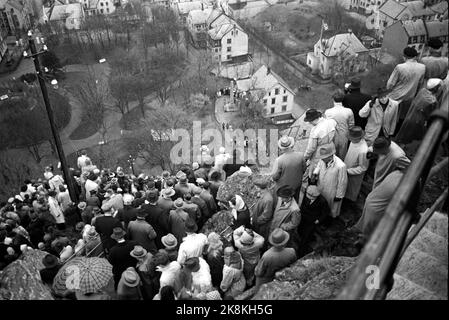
(435,43)
(168,192)
(120,174)
(152,195)
(410,52)
(286,142)
(192,264)
(356,132)
(180,174)
(284,192)
(130,278)
(278,237)
(138,252)
(179,203)
(191,225)
(169,241)
(183,179)
(118,233)
(82,205)
(355,84)
(312,114)
(381,145)
(200,181)
(247,238)
(326,151)
(141,214)
(50,261)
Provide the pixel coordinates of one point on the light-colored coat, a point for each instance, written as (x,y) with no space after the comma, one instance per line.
(286,217)
(405,80)
(378,119)
(332,183)
(321,134)
(192,246)
(169,273)
(387,163)
(233,282)
(356,166)
(344,117)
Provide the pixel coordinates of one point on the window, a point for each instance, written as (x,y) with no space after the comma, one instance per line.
(228,49)
(101,10)
(236,32)
(385,24)
(269,93)
(285,91)
(284,108)
(107,3)
(272,110)
(228,57)
(284,99)
(229,40)
(276,91)
(101,4)
(265,101)
(216,49)
(273,100)
(107,10)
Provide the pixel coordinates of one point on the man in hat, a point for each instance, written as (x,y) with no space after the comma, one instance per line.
(382,115)
(170,246)
(129,286)
(199,172)
(356,162)
(344,117)
(193,243)
(105,226)
(142,232)
(405,80)
(91,185)
(191,208)
(388,153)
(220,160)
(52,267)
(287,215)
(128,213)
(119,256)
(208,198)
(165,201)
(249,244)
(288,168)
(262,212)
(183,186)
(275,258)
(194,276)
(143,258)
(436,64)
(425,102)
(355,100)
(332,178)
(322,133)
(156,216)
(314,211)
(377,200)
(177,219)
(202,205)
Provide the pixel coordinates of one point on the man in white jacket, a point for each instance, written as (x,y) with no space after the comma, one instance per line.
(344,117)
(382,114)
(332,178)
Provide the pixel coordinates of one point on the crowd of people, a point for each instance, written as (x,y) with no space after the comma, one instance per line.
(149,228)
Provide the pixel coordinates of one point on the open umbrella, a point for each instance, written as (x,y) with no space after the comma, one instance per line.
(84,274)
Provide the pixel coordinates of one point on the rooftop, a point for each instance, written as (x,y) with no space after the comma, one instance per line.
(344,42)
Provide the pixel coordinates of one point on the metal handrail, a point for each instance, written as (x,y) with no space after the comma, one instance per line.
(387,241)
(75,254)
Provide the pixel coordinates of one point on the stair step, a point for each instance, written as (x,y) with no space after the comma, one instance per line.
(425,270)
(431,243)
(404,289)
(438,224)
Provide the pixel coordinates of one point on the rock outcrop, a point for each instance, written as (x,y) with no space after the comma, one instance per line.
(21,280)
(309,278)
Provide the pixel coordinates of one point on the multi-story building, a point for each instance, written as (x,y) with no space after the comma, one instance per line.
(273,92)
(3,45)
(184,8)
(69,16)
(391,11)
(16,15)
(197,26)
(414,34)
(94,7)
(227,39)
(343,53)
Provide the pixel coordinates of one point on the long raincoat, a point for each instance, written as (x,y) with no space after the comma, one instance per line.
(356,166)
(332,182)
(345,119)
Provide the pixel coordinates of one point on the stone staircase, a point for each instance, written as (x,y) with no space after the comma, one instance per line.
(422,273)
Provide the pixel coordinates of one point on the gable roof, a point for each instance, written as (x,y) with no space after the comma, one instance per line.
(437,28)
(218,32)
(199,16)
(440,7)
(418,9)
(262,80)
(62,12)
(430,28)
(392,8)
(186,7)
(341,43)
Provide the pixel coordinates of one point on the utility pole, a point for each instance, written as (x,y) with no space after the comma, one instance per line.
(65,169)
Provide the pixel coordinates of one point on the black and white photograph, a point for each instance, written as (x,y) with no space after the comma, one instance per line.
(263,152)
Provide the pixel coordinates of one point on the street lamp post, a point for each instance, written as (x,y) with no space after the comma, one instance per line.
(65,169)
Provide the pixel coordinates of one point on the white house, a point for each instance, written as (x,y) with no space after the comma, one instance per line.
(274,92)
(94,7)
(343,53)
(227,39)
(184,8)
(197,26)
(70,15)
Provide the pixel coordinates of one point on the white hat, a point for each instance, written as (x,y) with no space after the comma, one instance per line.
(222,150)
(11,200)
(128,199)
(245,169)
(195,165)
(96,171)
(200,181)
(433,82)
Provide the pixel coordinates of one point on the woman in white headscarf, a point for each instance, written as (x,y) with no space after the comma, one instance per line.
(240,212)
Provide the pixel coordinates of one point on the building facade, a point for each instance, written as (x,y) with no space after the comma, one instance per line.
(197,26)
(69,16)
(16,16)
(414,34)
(94,7)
